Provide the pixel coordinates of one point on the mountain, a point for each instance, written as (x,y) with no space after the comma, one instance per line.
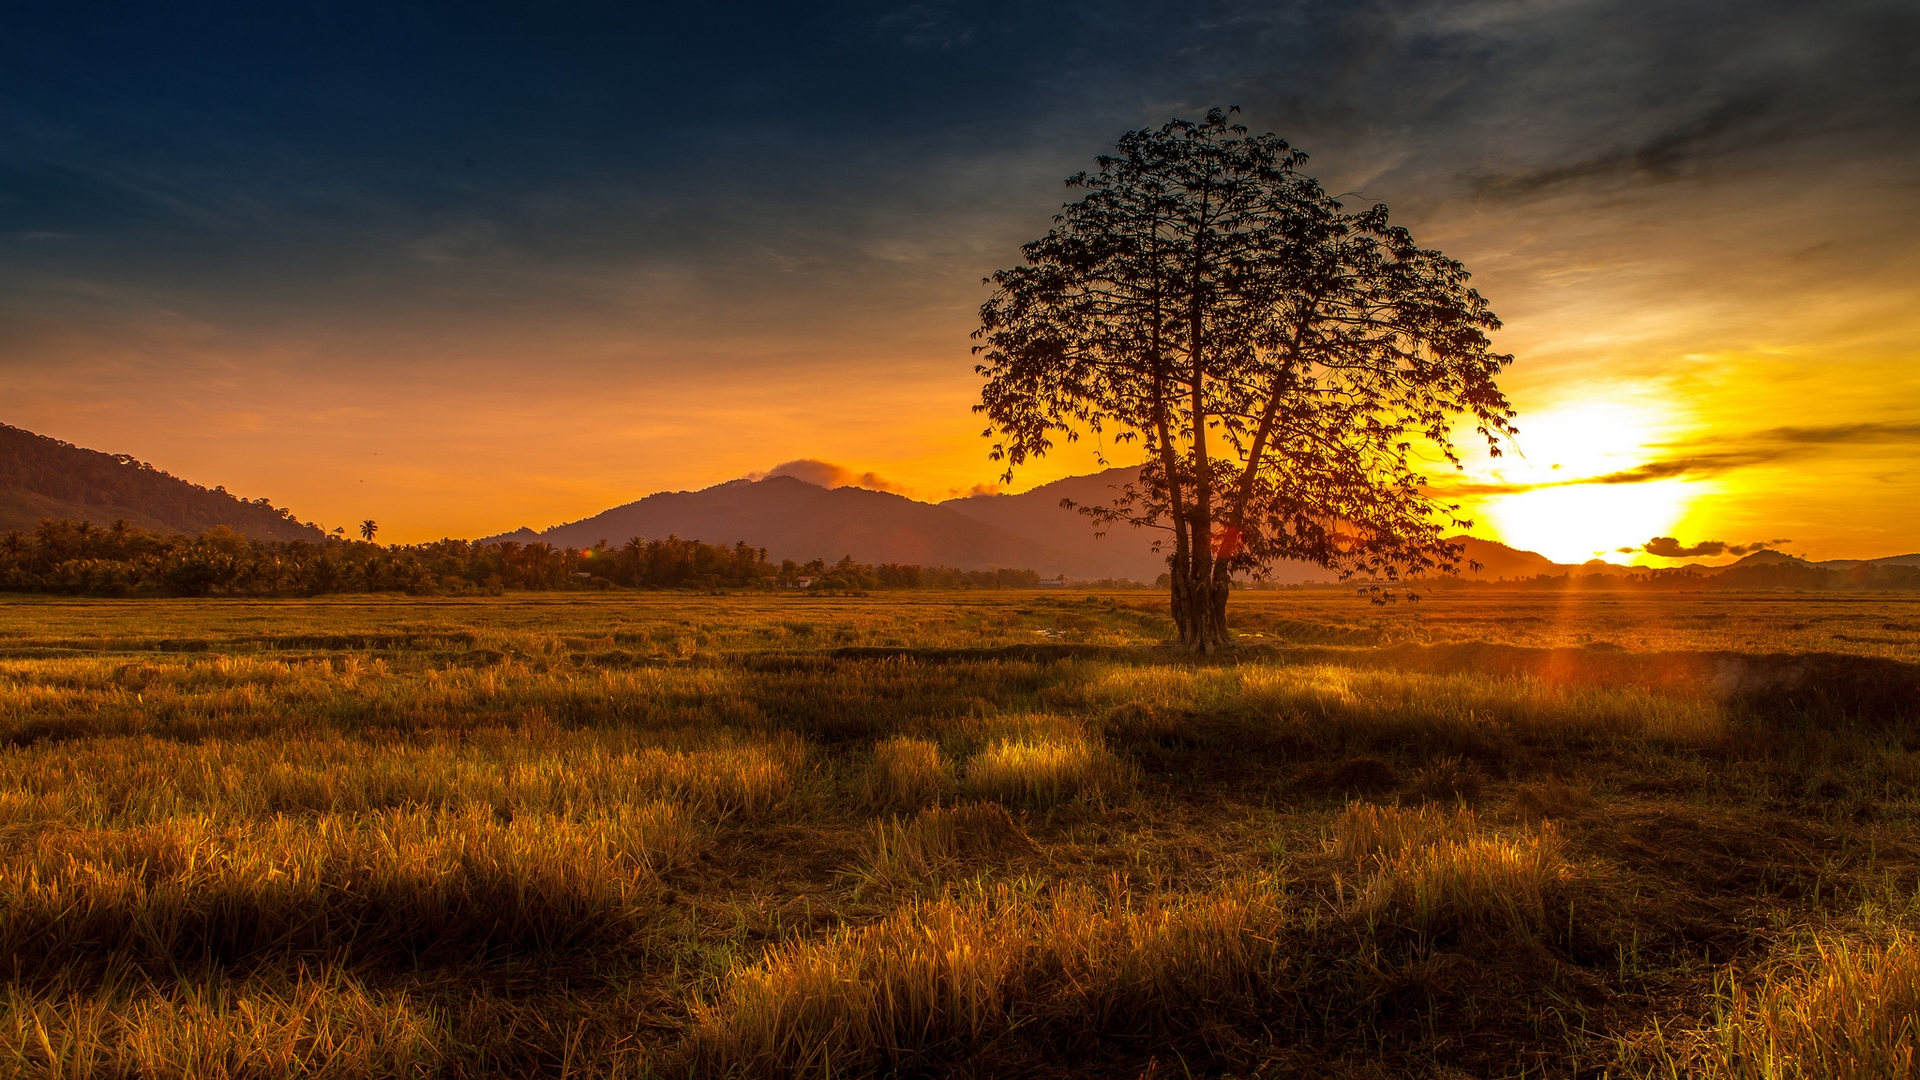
(44,478)
(1037,515)
(1850,564)
(796,520)
(1499,561)
(1767,558)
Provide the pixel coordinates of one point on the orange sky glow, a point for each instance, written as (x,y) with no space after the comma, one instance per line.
(1706,351)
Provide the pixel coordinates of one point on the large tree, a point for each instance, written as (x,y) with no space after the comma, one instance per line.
(1283,364)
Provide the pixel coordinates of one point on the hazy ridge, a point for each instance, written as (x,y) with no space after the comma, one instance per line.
(42,478)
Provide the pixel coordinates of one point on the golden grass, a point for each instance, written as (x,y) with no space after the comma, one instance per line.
(559,837)
(1438,871)
(544,627)
(1325,701)
(950,975)
(906,774)
(321,1027)
(72,699)
(1841,1010)
(388,888)
(1044,770)
(121,782)
(908,851)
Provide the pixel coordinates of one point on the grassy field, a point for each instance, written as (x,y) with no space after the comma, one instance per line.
(986,833)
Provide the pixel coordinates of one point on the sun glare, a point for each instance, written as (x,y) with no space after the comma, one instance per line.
(1566,520)
(1574,524)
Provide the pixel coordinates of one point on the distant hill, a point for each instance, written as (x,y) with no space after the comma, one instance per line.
(1767,558)
(796,520)
(1498,561)
(1851,564)
(44,478)
(1038,516)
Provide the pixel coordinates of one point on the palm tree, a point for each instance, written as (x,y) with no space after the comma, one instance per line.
(367,529)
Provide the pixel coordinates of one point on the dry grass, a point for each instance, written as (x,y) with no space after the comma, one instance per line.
(1044,770)
(1439,871)
(1325,702)
(907,774)
(124,782)
(909,851)
(951,975)
(391,888)
(536,628)
(317,1027)
(1841,1010)
(589,836)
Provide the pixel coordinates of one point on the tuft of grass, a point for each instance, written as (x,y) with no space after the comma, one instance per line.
(1842,1010)
(902,852)
(907,774)
(1449,780)
(1045,770)
(1439,872)
(747,779)
(1366,830)
(949,976)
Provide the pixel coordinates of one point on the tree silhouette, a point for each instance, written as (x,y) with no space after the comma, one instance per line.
(1281,362)
(367,529)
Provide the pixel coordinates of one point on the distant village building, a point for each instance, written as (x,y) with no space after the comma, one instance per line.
(1054,583)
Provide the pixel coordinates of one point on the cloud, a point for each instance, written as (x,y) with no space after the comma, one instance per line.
(1710,458)
(1737,122)
(828,475)
(977,489)
(1666,547)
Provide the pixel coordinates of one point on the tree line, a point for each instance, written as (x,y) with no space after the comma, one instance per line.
(80,558)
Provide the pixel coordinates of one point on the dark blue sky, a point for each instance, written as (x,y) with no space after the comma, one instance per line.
(221,223)
(274,149)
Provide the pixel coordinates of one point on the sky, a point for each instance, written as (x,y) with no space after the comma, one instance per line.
(468,267)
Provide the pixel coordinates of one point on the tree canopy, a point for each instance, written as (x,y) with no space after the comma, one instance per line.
(1284,365)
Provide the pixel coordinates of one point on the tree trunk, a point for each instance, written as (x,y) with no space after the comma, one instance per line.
(1199,612)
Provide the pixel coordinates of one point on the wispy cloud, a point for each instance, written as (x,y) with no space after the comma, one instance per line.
(1739,121)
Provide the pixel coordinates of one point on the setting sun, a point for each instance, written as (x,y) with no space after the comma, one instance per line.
(1568,524)
(1576,485)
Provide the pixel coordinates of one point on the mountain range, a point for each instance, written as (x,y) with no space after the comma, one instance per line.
(42,478)
(797,520)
